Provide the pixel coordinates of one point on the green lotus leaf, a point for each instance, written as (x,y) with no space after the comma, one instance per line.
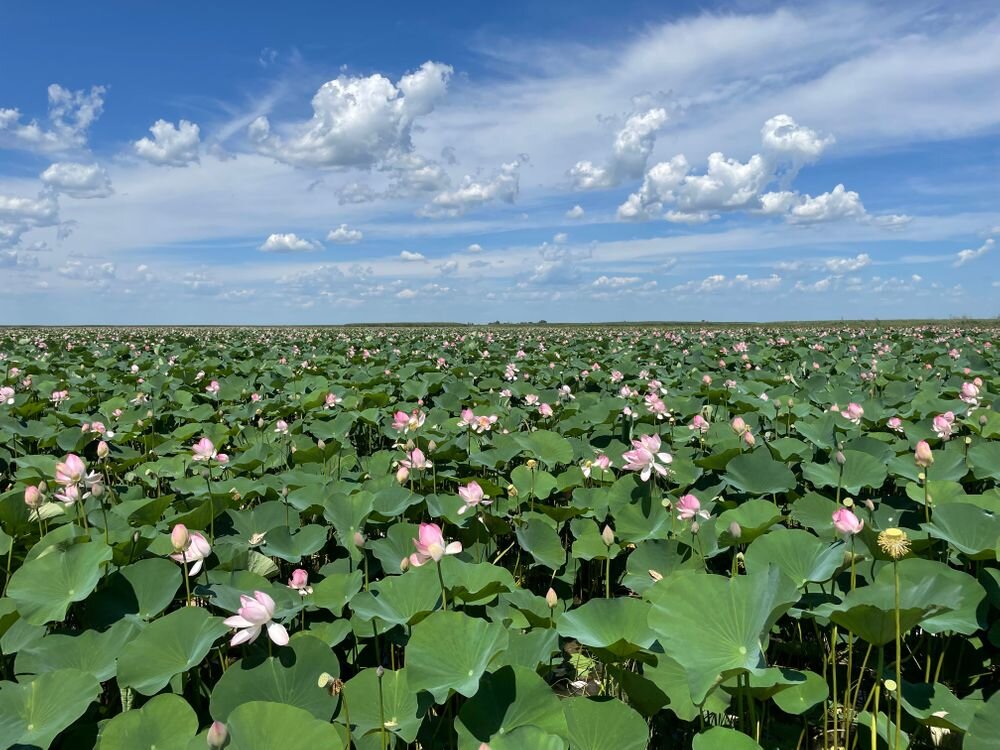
(472,644)
(617,626)
(798,554)
(166,647)
(46,586)
(548,447)
(859,470)
(754,517)
(604,725)
(398,600)
(166,722)
(969,529)
(475,583)
(292,547)
(723,738)
(526,737)
(961,597)
(336,590)
(671,678)
(91,651)
(757,473)
(262,725)
(33,713)
(289,676)
(402,710)
(541,541)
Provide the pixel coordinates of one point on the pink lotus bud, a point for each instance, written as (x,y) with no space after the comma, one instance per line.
(179,537)
(402,474)
(103,450)
(749,439)
(299,579)
(32,496)
(359,540)
(840,458)
(404,564)
(608,536)
(735,530)
(738,425)
(845,522)
(217,735)
(551,598)
(923,455)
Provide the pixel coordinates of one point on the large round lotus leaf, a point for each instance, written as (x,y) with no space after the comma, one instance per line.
(538,483)
(292,547)
(984,458)
(166,647)
(984,730)
(451,651)
(541,541)
(935,705)
(524,737)
(398,600)
(604,725)
(801,691)
(723,738)
(399,704)
(91,651)
(166,722)
(335,591)
(754,517)
(44,587)
(671,679)
(859,470)
(618,626)
(961,597)
(261,725)
(969,529)
(949,465)
(532,649)
(798,554)
(757,473)
(715,626)
(509,698)
(815,512)
(347,513)
(290,676)
(548,447)
(144,588)
(475,583)
(33,713)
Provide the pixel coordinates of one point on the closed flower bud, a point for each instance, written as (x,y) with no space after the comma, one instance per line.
(103,450)
(217,735)
(738,425)
(404,564)
(735,530)
(359,540)
(870,505)
(432,446)
(840,458)
(608,536)
(180,538)
(923,455)
(32,496)
(551,598)
(321,445)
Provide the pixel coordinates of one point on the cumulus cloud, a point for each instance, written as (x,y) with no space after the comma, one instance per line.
(411,256)
(616,281)
(967,256)
(19,214)
(631,149)
(720,282)
(782,136)
(839,203)
(171,145)
(70,115)
(475,247)
(576,212)
(358,121)
(840,266)
(78,180)
(288,243)
(344,235)
(475,191)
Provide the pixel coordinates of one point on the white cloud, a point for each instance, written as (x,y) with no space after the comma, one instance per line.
(801,145)
(837,204)
(967,256)
(475,247)
(474,192)
(560,238)
(19,215)
(576,212)
(344,235)
(411,257)
(633,144)
(288,243)
(71,113)
(720,282)
(616,281)
(658,187)
(840,266)
(171,145)
(689,217)
(78,180)
(357,121)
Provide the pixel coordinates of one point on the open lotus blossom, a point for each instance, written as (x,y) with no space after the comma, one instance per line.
(943,424)
(970,394)
(545,410)
(484,423)
(473,495)
(416,460)
(468,418)
(699,423)
(300,581)
(58,397)
(281,427)
(331,400)
(853,413)
(403,422)
(255,613)
(430,545)
(194,554)
(204,450)
(602,462)
(895,424)
(845,522)
(71,470)
(644,456)
(689,507)
(6,395)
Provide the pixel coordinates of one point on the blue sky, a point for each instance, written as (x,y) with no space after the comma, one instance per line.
(327,163)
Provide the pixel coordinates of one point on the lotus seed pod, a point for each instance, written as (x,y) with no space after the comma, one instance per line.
(968,441)
(380,671)
(848,502)
(608,536)
(531,463)
(983,420)
(551,598)
(217,735)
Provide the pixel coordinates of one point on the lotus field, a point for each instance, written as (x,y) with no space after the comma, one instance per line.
(596,538)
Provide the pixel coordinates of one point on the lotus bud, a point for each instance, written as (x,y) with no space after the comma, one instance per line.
(136,536)
(97,488)
(432,446)
(694,527)
(870,505)
(180,538)
(551,598)
(321,445)
(840,458)
(608,536)
(43,487)
(409,445)
(923,455)
(968,441)
(749,439)
(735,530)
(32,496)
(402,474)
(103,450)
(217,735)
(738,425)
(359,540)
(983,420)
(379,671)
(404,565)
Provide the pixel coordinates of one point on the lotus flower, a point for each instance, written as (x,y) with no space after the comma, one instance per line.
(430,545)
(689,507)
(699,423)
(922,455)
(643,457)
(942,425)
(473,495)
(72,470)
(255,613)
(846,523)
(300,581)
(203,450)
(196,551)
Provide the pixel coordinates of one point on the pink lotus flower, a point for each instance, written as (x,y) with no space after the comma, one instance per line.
(643,457)
(195,552)
(485,423)
(416,460)
(68,495)
(6,395)
(853,413)
(281,427)
(922,455)
(256,613)
(943,424)
(970,394)
(739,425)
(430,545)
(845,522)
(403,422)
(72,470)
(58,397)
(689,507)
(204,450)
(212,387)
(332,399)
(602,462)
(468,418)
(699,423)
(473,495)
(545,410)
(300,581)
(895,424)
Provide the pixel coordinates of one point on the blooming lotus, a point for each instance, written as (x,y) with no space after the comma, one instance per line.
(942,425)
(602,462)
(204,450)
(545,410)
(689,507)
(195,552)
(72,470)
(699,423)
(300,582)
(853,413)
(845,522)
(430,545)
(644,455)
(895,424)
(281,427)
(403,422)
(6,395)
(255,613)
(473,495)
(970,394)
(331,400)
(416,460)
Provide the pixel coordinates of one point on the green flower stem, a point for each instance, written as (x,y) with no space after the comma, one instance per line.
(899,660)
(876,693)
(444,592)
